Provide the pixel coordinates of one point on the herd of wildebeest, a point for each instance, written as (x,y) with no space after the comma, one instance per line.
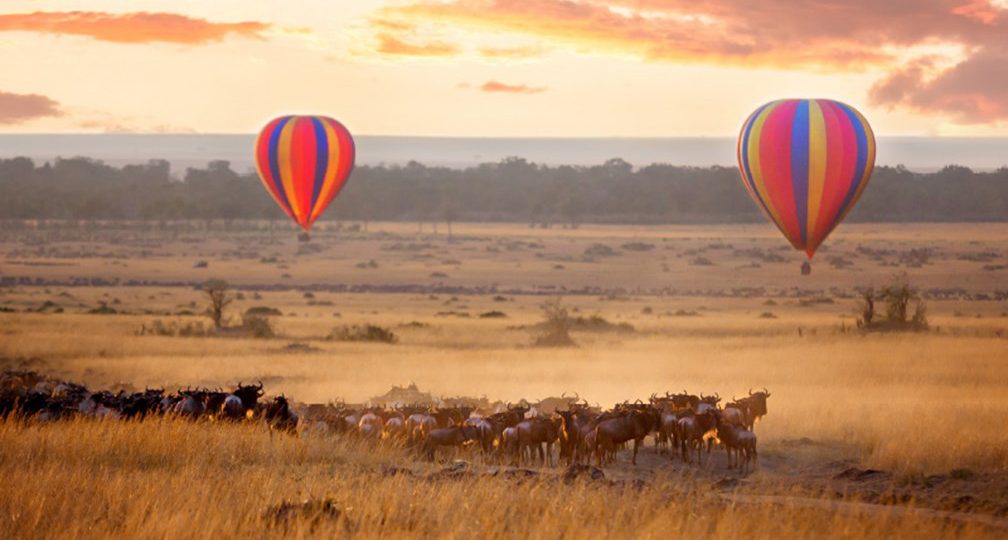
(680,423)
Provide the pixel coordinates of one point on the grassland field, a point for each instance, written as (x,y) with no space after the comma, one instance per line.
(917,416)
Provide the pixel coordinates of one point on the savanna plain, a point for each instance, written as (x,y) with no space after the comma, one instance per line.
(869,433)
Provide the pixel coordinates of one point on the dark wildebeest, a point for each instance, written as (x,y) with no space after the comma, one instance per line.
(533,434)
(191,405)
(692,429)
(452,437)
(485,432)
(245,398)
(278,416)
(634,424)
(741,442)
(576,423)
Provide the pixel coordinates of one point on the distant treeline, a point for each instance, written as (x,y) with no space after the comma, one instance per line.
(512,190)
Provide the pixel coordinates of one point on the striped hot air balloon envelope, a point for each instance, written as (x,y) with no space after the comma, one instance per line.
(304,162)
(806,162)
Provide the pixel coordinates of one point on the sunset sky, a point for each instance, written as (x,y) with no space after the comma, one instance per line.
(499,67)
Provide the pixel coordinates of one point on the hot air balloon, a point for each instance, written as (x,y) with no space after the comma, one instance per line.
(806,162)
(304,161)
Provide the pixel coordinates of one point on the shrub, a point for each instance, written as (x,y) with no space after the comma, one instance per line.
(555,327)
(257,327)
(493,315)
(364,332)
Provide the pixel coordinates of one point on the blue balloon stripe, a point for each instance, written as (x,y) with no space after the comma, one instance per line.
(274,143)
(800,165)
(321,162)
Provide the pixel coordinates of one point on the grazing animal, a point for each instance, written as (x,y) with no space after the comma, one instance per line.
(249,396)
(691,432)
(634,425)
(452,437)
(191,405)
(370,425)
(535,433)
(278,416)
(738,441)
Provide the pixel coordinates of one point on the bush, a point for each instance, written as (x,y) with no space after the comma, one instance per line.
(899,297)
(555,327)
(493,315)
(257,327)
(364,332)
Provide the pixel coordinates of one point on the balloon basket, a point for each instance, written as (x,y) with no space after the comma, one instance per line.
(806,268)
(304,237)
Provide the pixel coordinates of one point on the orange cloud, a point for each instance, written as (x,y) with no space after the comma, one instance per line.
(839,35)
(389,44)
(138,27)
(499,87)
(17,108)
(510,52)
(974,92)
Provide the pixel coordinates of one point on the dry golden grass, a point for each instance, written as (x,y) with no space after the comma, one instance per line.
(912,404)
(162,479)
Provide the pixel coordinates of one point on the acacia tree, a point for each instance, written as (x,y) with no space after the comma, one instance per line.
(218,298)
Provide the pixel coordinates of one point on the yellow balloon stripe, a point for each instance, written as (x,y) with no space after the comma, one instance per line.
(332,166)
(817,169)
(284,148)
(754,165)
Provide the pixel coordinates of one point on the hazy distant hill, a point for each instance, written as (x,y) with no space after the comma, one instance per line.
(184,150)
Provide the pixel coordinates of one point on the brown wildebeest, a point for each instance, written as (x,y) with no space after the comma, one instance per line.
(533,434)
(756,405)
(454,436)
(485,432)
(278,416)
(735,413)
(370,425)
(634,424)
(575,425)
(692,429)
(742,442)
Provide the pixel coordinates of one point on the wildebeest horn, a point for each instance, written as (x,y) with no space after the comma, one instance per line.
(717,396)
(563,395)
(260,385)
(750,391)
(765,391)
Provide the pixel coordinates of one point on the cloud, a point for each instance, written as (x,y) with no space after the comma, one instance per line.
(18,108)
(140,27)
(975,91)
(831,35)
(511,52)
(389,44)
(499,87)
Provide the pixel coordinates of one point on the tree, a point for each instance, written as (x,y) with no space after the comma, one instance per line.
(218,298)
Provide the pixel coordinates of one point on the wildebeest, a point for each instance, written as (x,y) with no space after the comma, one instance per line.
(739,441)
(535,433)
(691,430)
(634,424)
(237,404)
(191,405)
(452,437)
(278,416)
(755,406)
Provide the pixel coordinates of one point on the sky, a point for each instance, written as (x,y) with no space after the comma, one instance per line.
(557,68)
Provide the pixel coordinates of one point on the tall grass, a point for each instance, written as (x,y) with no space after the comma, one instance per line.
(158,479)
